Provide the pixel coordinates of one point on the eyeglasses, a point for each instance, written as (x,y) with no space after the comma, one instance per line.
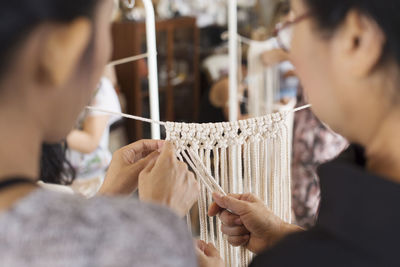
(284,31)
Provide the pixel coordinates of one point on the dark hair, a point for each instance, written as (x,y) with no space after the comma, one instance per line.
(54,166)
(330,14)
(19,17)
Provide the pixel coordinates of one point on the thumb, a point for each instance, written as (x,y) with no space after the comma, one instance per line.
(232,204)
(151,158)
(147,164)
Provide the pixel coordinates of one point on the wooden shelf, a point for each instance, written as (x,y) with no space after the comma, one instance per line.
(129,39)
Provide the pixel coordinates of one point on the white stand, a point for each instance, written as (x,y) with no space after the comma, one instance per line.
(152,61)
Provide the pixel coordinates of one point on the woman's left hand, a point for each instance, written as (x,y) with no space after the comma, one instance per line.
(208,255)
(272,57)
(126,165)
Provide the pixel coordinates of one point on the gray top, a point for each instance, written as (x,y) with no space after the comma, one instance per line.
(49,229)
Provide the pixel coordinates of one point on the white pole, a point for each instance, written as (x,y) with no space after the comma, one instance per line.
(233,83)
(152,61)
(233,66)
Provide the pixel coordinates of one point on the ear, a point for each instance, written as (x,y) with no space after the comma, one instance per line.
(362,43)
(62,49)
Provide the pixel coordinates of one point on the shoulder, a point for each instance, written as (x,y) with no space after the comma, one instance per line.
(312,248)
(106,96)
(151,234)
(106,89)
(114,230)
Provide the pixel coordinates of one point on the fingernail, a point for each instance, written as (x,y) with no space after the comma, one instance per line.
(200,245)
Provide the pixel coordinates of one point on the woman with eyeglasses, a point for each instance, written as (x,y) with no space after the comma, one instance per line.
(347,55)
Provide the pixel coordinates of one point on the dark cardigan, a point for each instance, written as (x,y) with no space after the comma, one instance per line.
(358,224)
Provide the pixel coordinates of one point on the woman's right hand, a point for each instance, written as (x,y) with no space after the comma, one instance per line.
(168,181)
(208,255)
(249,222)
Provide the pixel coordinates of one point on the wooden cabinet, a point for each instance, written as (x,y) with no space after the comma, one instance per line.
(178,68)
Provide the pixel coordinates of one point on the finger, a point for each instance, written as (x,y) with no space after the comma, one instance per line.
(249,198)
(200,244)
(234,231)
(214,209)
(202,260)
(211,251)
(238,240)
(228,218)
(238,207)
(246,197)
(140,149)
(150,160)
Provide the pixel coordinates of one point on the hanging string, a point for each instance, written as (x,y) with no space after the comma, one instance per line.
(160,122)
(302,108)
(242,39)
(127,60)
(126,115)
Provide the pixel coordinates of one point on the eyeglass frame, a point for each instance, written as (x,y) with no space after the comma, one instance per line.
(286,25)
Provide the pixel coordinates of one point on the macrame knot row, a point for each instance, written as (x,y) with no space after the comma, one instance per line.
(225,134)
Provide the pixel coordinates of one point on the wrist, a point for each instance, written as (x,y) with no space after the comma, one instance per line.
(284,230)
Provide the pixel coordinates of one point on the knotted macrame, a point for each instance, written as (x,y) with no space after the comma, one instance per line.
(250,156)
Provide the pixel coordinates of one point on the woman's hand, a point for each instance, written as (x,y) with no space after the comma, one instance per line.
(208,255)
(251,224)
(126,165)
(272,57)
(168,181)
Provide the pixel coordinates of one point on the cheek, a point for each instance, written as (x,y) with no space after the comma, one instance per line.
(311,59)
(305,60)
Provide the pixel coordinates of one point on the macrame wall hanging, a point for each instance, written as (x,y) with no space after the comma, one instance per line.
(250,156)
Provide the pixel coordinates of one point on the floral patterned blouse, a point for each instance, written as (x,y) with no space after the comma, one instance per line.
(313,144)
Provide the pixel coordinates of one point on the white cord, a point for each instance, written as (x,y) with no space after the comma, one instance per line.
(242,39)
(127,60)
(154,121)
(126,115)
(302,108)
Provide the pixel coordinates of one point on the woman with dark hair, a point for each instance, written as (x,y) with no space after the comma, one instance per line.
(54,166)
(52,55)
(347,55)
